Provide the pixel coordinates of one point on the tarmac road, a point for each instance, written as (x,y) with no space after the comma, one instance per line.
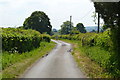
(59,63)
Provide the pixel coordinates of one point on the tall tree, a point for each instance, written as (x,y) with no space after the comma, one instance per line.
(110,13)
(80,27)
(38,21)
(66,27)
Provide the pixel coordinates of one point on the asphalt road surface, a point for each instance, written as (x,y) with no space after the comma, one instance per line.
(59,63)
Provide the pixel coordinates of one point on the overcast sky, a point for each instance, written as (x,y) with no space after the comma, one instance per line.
(14,12)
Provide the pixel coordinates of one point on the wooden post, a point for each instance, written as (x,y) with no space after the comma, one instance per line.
(98,22)
(70,22)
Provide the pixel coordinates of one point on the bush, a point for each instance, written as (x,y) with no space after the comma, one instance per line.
(20,40)
(104,40)
(91,39)
(46,38)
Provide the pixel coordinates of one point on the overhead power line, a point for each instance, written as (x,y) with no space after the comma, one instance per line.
(86,14)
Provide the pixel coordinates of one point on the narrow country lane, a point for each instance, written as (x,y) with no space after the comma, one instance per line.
(59,63)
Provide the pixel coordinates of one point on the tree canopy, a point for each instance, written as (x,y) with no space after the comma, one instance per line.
(38,21)
(66,27)
(80,27)
(109,11)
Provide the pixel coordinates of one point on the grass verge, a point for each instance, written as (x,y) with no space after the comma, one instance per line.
(18,63)
(88,63)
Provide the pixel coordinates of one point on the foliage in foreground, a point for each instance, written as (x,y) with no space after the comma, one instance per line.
(110,13)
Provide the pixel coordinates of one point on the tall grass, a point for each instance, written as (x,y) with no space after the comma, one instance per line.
(91,60)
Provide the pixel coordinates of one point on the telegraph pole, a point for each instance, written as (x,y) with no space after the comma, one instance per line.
(70,22)
(98,22)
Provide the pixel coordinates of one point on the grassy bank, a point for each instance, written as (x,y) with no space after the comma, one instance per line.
(88,59)
(15,64)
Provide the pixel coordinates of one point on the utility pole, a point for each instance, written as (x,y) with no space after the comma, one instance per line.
(70,22)
(98,22)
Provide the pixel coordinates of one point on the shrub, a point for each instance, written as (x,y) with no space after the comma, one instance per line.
(20,40)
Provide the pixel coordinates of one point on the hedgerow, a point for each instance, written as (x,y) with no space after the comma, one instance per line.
(97,46)
(91,39)
(20,40)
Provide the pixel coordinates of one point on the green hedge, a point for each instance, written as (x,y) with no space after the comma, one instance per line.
(20,40)
(99,47)
(104,40)
(91,39)
(46,37)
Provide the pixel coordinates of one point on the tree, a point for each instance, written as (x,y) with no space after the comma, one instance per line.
(74,31)
(105,27)
(55,32)
(93,31)
(110,13)
(66,27)
(80,27)
(38,21)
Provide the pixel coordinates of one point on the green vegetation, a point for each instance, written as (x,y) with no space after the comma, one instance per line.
(80,27)
(21,48)
(55,32)
(88,62)
(66,27)
(15,64)
(20,40)
(110,13)
(38,21)
(99,48)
